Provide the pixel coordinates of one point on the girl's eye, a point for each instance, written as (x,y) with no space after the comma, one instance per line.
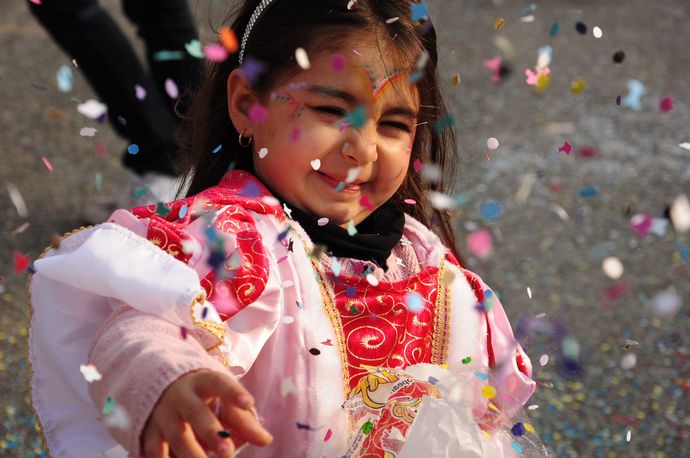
(330,110)
(398,125)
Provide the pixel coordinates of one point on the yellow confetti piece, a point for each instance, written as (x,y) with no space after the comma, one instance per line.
(577,86)
(499,23)
(455,81)
(486,434)
(543,81)
(489,392)
(444,365)
(529,427)
(492,406)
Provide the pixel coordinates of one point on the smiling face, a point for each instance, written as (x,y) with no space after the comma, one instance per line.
(338,135)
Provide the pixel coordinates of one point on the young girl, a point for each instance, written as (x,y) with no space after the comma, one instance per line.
(297,302)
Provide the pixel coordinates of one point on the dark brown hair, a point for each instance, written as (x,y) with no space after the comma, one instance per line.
(317,25)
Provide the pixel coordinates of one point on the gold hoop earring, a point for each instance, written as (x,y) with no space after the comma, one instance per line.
(242,144)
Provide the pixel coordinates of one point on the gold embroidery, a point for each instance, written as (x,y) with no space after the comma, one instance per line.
(216,329)
(439,347)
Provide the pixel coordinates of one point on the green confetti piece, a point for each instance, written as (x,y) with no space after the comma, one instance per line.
(194,49)
(357,117)
(108,405)
(164,55)
(351,230)
(367,427)
(467,360)
(162,210)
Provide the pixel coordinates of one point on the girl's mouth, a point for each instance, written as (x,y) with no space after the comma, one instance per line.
(340,186)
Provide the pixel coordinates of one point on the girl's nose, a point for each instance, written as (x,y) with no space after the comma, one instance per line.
(360,146)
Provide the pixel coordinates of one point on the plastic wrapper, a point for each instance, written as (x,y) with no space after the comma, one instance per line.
(430,411)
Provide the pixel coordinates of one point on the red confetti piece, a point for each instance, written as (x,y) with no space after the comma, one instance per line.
(587,151)
(101,150)
(47,163)
(641,224)
(21,262)
(327,342)
(418,165)
(329,434)
(183,332)
(666,104)
(566,148)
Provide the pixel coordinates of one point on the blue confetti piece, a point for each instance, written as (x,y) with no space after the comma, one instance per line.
(65,78)
(518,429)
(183,211)
(433,380)
(443,123)
(335,266)
(350,291)
(351,229)
(357,117)
(250,190)
(419,11)
(683,251)
(217,148)
(482,376)
(517,447)
(414,301)
(589,191)
(164,55)
(108,405)
(340,186)
(415,76)
(252,69)
(554,29)
(491,210)
(133,149)
(635,91)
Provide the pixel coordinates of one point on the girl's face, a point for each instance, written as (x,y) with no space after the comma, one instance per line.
(349,115)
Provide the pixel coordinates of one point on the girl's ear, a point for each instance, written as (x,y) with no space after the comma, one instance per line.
(240,98)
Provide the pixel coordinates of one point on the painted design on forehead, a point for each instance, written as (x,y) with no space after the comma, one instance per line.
(287,97)
(378,87)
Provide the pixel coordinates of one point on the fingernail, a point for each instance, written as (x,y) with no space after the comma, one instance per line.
(212,454)
(223,448)
(244,401)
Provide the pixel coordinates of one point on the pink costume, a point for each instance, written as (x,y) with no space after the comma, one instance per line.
(138,298)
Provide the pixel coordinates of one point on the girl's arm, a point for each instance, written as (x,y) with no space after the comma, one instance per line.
(138,356)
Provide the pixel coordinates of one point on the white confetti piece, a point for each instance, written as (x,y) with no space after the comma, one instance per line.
(628,361)
(628,436)
(351,4)
(392,20)
(440,201)
(302,58)
(17,200)
(666,303)
(90,373)
(352,174)
(87,131)
(92,109)
(529,292)
(543,360)
(322,221)
(680,213)
(118,419)
(685,145)
(532,407)
(613,267)
(287,387)
(372,280)
(492,143)
(596,31)
(315,164)
(263,152)
(287,319)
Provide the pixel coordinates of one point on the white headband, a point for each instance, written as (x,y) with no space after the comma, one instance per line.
(252,20)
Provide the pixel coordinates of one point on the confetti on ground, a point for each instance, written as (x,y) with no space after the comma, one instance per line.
(492,143)
(65,78)
(87,131)
(92,109)
(666,104)
(618,56)
(17,200)
(47,163)
(565,148)
(581,27)
(499,23)
(577,86)
(613,267)
(596,31)
(635,92)
(491,210)
(589,191)
(455,80)
(680,213)
(480,243)
(628,361)
(666,303)
(21,262)
(553,31)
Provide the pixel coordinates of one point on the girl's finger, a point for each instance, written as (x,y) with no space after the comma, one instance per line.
(181,440)
(206,426)
(246,424)
(210,384)
(153,444)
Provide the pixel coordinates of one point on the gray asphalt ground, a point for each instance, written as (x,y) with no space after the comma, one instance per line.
(595,398)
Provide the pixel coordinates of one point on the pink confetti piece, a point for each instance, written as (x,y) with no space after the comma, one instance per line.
(418,165)
(47,163)
(171,88)
(327,342)
(480,243)
(495,66)
(36,2)
(295,134)
(215,52)
(666,104)
(410,201)
(328,435)
(533,77)
(365,201)
(21,262)
(139,92)
(338,62)
(101,150)
(641,224)
(257,113)
(566,147)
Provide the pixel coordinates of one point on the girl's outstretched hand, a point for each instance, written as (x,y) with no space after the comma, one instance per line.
(183,422)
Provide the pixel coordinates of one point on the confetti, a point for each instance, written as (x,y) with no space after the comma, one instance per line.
(47,163)
(419,11)
(489,392)
(596,31)
(544,56)
(410,201)
(133,149)
(680,213)
(302,59)
(628,436)
(628,361)
(455,80)
(258,113)
(581,27)
(353,173)
(335,266)
(467,360)
(263,152)
(356,118)
(529,292)
(217,148)
(351,230)
(328,435)
(372,280)
(367,427)
(499,23)
(21,262)
(666,303)
(589,191)
(566,148)
(92,109)
(414,302)
(108,405)
(612,267)
(101,150)
(492,143)
(65,78)
(287,319)
(518,429)
(618,56)
(87,131)
(539,78)
(480,243)
(171,88)
(440,201)
(167,55)
(666,104)
(139,92)
(495,66)
(351,4)
(553,31)
(577,86)
(90,373)
(229,39)
(315,164)
(635,91)
(215,52)
(194,49)
(117,418)
(17,200)
(315,351)
(322,221)
(392,20)
(365,201)
(543,360)
(491,210)
(338,63)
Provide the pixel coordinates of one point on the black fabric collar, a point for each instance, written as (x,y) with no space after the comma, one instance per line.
(376,235)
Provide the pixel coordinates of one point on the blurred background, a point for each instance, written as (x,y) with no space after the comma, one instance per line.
(563,197)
